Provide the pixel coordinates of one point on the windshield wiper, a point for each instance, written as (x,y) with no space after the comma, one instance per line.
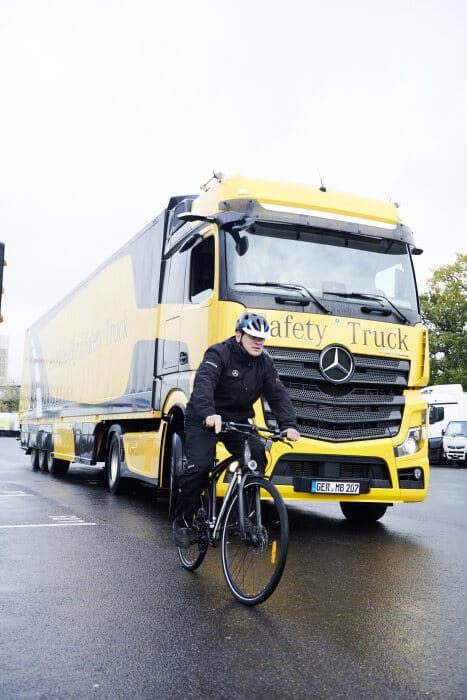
(375,297)
(297,287)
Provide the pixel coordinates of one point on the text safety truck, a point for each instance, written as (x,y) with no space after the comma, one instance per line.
(109,370)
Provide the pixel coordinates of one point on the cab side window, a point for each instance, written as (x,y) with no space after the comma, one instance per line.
(202,270)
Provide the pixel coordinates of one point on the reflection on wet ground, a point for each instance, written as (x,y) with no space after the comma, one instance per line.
(390,596)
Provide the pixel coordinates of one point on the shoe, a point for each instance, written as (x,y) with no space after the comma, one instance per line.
(183,536)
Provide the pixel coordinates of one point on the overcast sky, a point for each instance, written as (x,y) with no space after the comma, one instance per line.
(109,107)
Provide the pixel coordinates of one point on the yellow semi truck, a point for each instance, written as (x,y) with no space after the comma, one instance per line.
(109,370)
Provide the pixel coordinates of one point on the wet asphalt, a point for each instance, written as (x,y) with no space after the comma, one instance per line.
(94,604)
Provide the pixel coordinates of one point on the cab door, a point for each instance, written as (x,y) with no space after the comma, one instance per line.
(198,323)
(187,300)
(173,298)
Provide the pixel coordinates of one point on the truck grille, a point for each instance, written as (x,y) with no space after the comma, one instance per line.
(289,467)
(369,406)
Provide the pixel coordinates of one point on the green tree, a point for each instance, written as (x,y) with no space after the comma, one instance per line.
(444,311)
(9,399)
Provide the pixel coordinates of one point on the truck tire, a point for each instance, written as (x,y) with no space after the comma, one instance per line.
(115,482)
(56,466)
(43,461)
(35,459)
(363,512)
(176,465)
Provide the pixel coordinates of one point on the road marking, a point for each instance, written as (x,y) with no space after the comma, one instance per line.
(58,521)
(11,527)
(15,493)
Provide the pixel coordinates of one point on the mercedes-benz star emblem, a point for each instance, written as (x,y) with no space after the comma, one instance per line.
(336,364)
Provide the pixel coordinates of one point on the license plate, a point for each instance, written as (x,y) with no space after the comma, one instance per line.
(343,487)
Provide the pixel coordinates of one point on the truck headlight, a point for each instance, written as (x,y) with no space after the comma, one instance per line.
(411,443)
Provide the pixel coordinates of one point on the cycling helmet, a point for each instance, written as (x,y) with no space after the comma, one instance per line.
(253,324)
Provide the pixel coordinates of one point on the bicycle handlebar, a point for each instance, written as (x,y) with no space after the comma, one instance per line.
(248,428)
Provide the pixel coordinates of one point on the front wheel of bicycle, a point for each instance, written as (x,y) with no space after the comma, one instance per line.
(253,566)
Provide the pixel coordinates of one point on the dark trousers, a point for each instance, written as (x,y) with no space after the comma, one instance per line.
(200,448)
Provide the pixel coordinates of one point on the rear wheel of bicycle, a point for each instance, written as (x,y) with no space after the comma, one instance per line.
(253,568)
(191,557)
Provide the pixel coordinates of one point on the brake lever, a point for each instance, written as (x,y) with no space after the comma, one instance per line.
(281,437)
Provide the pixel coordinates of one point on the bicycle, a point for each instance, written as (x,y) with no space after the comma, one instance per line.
(251,524)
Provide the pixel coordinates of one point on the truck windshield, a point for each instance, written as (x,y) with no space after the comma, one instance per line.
(322,262)
(458,427)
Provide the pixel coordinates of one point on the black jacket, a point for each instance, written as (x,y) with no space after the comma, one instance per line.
(229,381)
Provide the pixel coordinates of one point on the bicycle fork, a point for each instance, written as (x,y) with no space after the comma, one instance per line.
(251,532)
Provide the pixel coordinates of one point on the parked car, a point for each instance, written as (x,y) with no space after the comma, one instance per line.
(455,441)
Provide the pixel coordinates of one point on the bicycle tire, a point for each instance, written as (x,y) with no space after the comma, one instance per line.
(191,557)
(253,569)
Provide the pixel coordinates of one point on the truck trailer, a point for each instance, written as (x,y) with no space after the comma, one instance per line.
(109,370)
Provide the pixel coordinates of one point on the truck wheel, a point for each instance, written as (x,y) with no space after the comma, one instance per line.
(114,465)
(57,466)
(363,512)
(43,461)
(35,458)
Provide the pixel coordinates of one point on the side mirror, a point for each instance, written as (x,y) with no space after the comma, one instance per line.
(232,221)
(236,224)
(189,243)
(190,216)
(242,244)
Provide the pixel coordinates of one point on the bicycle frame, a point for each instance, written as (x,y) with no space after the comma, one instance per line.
(239,477)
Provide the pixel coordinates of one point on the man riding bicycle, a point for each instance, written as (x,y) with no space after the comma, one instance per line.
(231,377)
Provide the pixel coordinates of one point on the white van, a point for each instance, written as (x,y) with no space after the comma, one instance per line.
(446,402)
(455,441)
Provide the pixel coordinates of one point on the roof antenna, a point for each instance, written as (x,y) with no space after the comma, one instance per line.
(216,175)
(322,188)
